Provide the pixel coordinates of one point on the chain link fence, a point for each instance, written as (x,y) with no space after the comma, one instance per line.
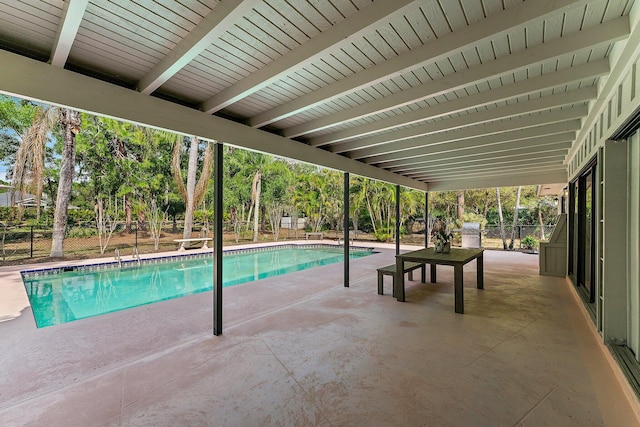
(25,244)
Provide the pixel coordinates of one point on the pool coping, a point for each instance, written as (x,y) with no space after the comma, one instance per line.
(150,259)
(15,301)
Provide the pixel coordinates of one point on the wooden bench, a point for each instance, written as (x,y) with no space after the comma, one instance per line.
(390,270)
(195,239)
(307,235)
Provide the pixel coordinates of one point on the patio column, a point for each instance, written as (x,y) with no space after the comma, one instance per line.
(217,238)
(346,229)
(426,219)
(397,219)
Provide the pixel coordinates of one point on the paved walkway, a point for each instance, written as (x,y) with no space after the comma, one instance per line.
(303,350)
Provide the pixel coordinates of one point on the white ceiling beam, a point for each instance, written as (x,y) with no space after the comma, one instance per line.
(488,164)
(437,153)
(478,100)
(631,50)
(549,164)
(489,28)
(472,161)
(588,39)
(549,177)
(495,172)
(223,16)
(487,128)
(532,151)
(72,14)
(345,31)
(500,172)
(476,118)
(442,143)
(65,88)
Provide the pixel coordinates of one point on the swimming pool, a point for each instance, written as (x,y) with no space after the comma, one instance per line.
(65,294)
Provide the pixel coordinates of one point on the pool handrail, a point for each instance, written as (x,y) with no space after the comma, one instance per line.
(118,257)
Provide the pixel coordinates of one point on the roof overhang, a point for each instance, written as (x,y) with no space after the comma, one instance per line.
(425,94)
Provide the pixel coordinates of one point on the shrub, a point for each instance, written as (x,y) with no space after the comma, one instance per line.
(529,242)
(382,235)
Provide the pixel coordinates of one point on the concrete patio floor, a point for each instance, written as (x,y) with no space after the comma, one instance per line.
(303,350)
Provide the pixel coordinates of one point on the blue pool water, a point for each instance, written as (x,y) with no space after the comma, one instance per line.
(59,296)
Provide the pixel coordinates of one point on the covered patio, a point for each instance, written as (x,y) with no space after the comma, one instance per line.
(427,94)
(303,351)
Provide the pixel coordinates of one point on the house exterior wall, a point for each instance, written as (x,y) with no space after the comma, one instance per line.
(618,98)
(617,272)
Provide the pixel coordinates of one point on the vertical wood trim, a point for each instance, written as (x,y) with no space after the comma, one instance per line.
(614,281)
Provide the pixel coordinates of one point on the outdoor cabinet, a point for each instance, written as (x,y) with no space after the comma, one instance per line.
(553,253)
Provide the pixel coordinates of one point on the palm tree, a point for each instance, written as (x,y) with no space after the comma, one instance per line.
(256,189)
(70,121)
(515,217)
(28,169)
(193,193)
(501,220)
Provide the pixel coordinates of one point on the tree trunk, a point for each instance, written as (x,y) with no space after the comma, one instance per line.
(501,220)
(142,222)
(99,211)
(255,193)
(460,212)
(371,214)
(542,234)
(128,211)
(70,121)
(248,213)
(515,218)
(485,209)
(191,188)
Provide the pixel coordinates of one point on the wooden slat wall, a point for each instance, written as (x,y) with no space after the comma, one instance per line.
(32,26)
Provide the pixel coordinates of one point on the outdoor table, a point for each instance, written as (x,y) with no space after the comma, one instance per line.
(457,258)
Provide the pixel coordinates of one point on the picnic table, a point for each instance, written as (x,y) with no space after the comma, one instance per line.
(456,258)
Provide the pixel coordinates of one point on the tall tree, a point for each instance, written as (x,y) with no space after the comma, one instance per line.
(70,122)
(460,206)
(515,217)
(193,193)
(16,116)
(29,167)
(276,193)
(501,220)
(256,189)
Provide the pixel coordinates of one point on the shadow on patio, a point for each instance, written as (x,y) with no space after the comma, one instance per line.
(302,350)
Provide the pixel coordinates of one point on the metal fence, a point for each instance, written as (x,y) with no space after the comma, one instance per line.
(522,231)
(24,243)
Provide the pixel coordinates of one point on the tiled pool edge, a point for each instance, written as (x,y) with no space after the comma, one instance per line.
(107,265)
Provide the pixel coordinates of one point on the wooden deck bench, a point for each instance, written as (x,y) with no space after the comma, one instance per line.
(195,239)
(390,270)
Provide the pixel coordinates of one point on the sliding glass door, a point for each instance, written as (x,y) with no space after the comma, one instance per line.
(582,232)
